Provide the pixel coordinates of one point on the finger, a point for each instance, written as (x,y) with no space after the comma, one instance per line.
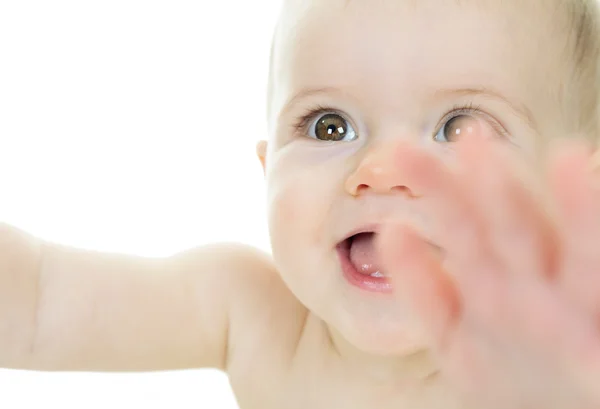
(567,168)
(578,197)
(450,198)
(520,233)
(572,176)
(445,199)
(419,280)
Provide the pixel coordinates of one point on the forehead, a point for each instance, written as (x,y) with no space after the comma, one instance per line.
(391,53)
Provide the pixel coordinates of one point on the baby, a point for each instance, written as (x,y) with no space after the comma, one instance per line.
(432,248)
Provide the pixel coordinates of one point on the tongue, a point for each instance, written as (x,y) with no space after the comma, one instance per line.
(362,254)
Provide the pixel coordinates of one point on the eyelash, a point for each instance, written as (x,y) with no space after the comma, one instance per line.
(304,121)
(470,109)
(467,109)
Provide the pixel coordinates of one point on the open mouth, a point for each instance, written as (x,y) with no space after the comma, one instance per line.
(360,264)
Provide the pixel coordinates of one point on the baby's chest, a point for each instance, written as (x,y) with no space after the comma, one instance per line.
(282,393)
(326,390)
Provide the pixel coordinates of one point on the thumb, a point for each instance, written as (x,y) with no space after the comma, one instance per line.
(419,281)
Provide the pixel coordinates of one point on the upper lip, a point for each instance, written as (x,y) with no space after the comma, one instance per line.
(376,228)
(367,228)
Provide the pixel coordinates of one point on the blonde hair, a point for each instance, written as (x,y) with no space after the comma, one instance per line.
(583,90)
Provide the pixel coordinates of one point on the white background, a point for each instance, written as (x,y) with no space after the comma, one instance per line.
(130,126)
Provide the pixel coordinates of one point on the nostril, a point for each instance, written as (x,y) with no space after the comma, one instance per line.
(360,188)
(400,189)
(394,189)
(404,191)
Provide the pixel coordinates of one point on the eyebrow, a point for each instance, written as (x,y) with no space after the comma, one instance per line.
(520,109)
(305,94)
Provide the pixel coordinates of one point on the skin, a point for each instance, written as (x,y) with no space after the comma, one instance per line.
(514,301)
(304,230)
(291,331)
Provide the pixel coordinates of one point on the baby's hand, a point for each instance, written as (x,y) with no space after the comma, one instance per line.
(512,305)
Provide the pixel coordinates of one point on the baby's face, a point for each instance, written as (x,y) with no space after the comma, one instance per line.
(351,80)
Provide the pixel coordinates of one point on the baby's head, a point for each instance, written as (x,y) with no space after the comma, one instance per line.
(350,79)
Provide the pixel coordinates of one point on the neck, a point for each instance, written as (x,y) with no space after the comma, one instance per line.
(409,367)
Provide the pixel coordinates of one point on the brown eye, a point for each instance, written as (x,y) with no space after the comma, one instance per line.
(457,127)
(332,127)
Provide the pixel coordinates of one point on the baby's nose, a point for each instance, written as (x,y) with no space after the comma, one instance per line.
(379,172)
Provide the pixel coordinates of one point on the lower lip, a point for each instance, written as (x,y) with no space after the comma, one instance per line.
(364,282)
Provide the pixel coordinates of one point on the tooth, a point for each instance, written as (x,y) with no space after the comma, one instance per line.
(377,274)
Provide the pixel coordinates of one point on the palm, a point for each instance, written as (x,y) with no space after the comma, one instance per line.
(512,307)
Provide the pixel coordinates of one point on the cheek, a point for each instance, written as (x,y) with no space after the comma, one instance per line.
(300,200)
(295,208)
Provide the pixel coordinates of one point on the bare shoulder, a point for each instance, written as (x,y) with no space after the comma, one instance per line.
(266,320)
(247,272)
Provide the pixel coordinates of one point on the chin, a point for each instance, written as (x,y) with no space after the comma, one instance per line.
(381,335)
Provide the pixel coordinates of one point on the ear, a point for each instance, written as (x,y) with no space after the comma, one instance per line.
(261,152)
